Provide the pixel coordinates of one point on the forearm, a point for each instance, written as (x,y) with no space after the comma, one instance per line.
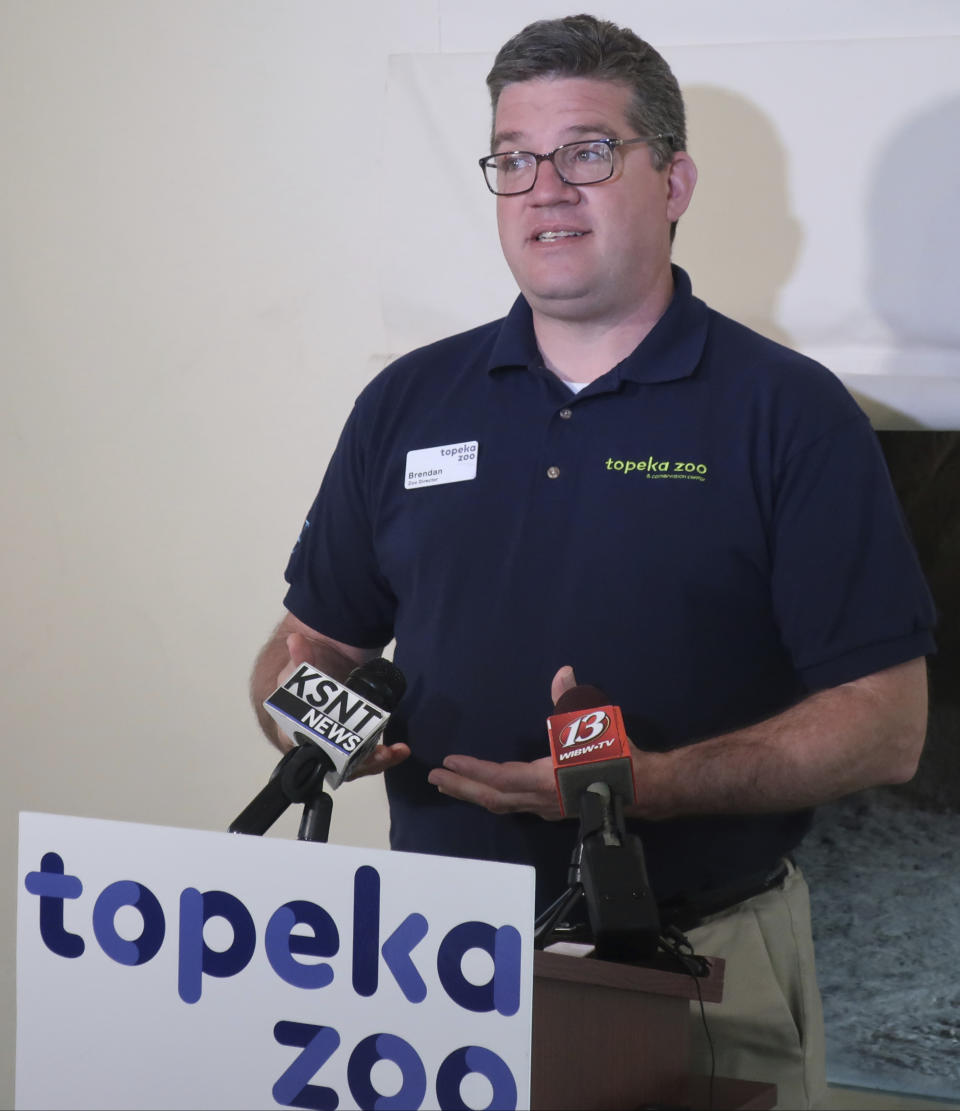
(837,741)
(273,658)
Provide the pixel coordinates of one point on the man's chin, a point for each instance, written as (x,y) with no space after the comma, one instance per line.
(563,302)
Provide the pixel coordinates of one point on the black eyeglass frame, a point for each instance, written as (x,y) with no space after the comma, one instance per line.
(612,144)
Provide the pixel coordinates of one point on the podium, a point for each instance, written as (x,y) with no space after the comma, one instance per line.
(618,1037)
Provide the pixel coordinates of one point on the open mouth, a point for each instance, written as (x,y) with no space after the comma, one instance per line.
(552,236)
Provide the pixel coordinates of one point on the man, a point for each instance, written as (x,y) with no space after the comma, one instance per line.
(694,518)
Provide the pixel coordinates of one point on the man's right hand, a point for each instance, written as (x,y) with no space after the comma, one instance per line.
(301,651)
(293,643)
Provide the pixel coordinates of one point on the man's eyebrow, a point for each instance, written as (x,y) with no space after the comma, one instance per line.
(603,129)
(516,137)
(506,137)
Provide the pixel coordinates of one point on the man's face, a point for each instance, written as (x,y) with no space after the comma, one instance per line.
(620,249)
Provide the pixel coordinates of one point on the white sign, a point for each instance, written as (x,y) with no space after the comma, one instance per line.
(170,968)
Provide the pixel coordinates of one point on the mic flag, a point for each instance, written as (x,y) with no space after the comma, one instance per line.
(344,719)
(588,743)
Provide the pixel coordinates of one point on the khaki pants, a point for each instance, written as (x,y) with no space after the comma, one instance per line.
(769,1026)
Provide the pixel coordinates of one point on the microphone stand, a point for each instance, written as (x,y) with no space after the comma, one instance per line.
(553,918)
(298,777)
(608,872)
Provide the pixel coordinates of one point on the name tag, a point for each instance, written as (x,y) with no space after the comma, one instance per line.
(434,466)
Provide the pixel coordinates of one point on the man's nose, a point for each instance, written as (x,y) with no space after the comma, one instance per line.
(550,188)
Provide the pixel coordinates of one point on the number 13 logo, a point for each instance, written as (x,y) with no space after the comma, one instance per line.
(583,729)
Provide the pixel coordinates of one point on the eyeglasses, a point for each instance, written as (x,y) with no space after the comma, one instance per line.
(583,163)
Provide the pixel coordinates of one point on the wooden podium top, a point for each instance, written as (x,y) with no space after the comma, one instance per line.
(630,977)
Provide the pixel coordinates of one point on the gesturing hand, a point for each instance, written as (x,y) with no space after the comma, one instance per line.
(509,787)
(500,788)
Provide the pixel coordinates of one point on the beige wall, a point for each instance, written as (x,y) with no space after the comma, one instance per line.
(189,305)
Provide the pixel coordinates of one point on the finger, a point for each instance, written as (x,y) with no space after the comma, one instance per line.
(483,794)
(564,680)
(299,649)
(499,788)
(381,758)
(511,777)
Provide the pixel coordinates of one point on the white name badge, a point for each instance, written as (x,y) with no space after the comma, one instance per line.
(434,466)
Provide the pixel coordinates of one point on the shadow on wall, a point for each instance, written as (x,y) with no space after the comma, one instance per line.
(914,284)
(739,239)
(914,239)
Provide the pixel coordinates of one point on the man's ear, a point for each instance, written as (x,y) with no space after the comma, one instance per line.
(681,181)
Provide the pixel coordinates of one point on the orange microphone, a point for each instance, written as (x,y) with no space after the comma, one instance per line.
(589,745)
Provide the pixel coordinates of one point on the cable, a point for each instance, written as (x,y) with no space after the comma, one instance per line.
(678,948)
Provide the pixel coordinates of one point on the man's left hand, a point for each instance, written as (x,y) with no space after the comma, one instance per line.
(500,788)
(506,788)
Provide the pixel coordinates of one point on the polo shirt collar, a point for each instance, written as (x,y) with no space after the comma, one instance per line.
(671,350)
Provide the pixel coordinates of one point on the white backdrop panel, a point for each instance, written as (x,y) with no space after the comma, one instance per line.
(823,216)
(483,27)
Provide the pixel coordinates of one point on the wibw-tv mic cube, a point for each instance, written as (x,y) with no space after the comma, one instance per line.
(588,742)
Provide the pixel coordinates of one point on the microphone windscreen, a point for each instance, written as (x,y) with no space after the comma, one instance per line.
(379,681)
(582,697)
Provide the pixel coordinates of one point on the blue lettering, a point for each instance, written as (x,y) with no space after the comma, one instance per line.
(502,992)
(53,885)
(127,893)
(396,955)
(396,949)
(196,957)
(469,1059)
(281,943)
(318,1043)
(366,929)
(386,1047)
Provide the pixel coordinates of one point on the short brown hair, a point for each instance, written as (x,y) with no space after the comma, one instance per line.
(584,46)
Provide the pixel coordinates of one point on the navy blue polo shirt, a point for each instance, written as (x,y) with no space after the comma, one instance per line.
(707,533)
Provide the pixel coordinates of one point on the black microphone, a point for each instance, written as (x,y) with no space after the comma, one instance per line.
(333,726)
(345,720)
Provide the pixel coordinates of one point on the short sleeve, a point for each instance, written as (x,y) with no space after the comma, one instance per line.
(335,583)
(848,591)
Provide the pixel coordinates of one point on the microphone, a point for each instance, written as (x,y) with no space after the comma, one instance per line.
(344,720)
(588,743)
(595,778)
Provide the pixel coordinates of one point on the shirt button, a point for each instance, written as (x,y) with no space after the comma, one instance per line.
(553,472)
(566,414)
